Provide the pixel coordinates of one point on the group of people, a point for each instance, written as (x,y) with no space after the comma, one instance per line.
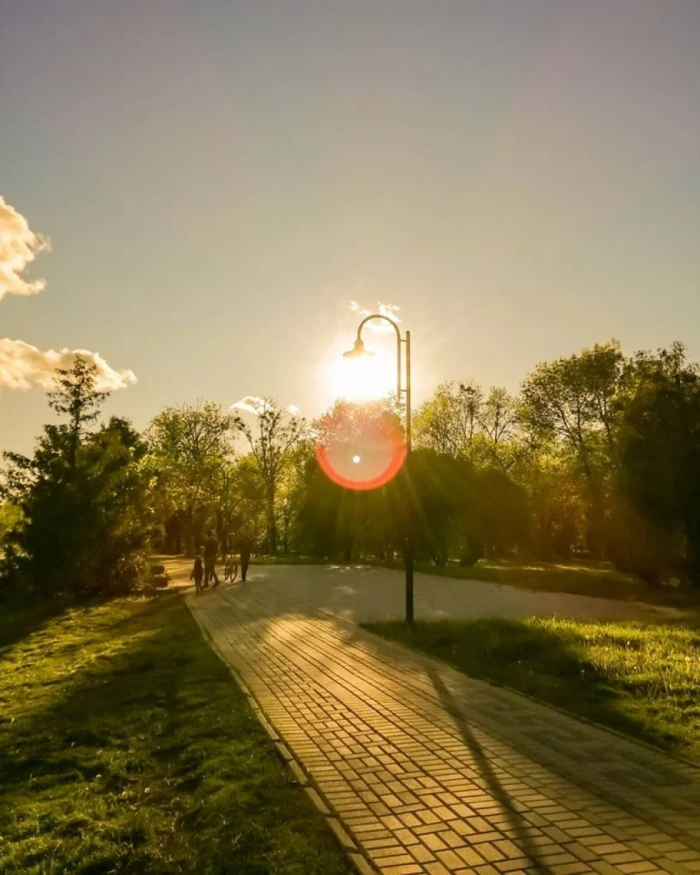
(204,569)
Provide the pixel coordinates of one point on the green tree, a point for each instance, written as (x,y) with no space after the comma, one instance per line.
(574,402)
(449,421)
(660,459)
(191,449)
(77,397)
(552,479)
(272,440)
(461,421)
(81,498)
(290,492)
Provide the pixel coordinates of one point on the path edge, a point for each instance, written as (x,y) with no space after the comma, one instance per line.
(310,787)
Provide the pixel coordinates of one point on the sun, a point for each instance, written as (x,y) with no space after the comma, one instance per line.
(363,379)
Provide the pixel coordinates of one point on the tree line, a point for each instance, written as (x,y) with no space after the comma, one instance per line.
(597,455)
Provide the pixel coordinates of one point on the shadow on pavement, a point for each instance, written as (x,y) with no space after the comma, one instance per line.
(517,823)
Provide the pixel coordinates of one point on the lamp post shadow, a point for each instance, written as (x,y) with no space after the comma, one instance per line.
(518,825)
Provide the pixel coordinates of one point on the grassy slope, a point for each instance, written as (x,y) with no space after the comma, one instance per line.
(641,680)
(128,748)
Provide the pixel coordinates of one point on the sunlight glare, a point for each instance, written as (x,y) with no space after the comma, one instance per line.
(363,379)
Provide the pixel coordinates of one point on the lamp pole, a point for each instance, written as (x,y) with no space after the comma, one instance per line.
(359,350)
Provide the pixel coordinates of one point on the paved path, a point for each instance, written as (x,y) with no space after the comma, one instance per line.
(363,594)
(428,771)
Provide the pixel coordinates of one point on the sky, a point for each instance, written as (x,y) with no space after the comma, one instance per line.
(220,179)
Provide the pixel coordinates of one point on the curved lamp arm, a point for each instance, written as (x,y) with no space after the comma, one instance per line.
(398,346)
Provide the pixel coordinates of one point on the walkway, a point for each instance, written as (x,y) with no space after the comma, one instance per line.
(425,770)
(363,594)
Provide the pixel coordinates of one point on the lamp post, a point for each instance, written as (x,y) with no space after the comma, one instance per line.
(359,351)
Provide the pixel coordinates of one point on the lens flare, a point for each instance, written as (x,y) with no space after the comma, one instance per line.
(363,455)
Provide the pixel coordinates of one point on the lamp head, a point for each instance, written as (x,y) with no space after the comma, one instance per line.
(358,351)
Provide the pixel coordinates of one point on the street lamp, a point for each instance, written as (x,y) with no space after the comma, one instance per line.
(359,351)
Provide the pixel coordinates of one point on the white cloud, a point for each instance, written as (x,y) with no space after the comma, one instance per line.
(23,366)
(391,311)
(18,247)
(258,406)
(252,404)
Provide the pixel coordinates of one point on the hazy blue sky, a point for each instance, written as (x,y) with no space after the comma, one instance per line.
(220,178)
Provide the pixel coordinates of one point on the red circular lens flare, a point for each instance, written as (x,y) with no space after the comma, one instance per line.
(366,458)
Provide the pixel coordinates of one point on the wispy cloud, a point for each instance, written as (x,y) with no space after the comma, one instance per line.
(19,246)
(23,366)
(252,404)
(258,406)
(391,311)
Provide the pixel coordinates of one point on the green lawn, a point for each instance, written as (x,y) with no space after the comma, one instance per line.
(127,747)
(643,680)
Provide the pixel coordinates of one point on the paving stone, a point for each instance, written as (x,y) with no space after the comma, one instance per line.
(434,842)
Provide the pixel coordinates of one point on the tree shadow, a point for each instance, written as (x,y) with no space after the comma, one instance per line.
(145,732)
(549,666)
(19,618)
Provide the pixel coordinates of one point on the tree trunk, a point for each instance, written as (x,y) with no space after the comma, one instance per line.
(221,531)
(271,523)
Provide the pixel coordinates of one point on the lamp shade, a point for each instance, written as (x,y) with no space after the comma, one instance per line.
(358,351)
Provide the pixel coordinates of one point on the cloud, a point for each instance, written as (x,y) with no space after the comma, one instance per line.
(18,247)
(23,366)
(391,311)
(252,404)
(258,406)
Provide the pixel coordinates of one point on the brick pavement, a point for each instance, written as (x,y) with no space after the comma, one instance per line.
(421,769)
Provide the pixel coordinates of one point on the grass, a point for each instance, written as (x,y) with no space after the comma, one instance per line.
(642,680)
(127,747)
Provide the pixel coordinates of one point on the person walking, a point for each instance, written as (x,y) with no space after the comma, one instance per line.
(197,573)
(245,548)
(211,549)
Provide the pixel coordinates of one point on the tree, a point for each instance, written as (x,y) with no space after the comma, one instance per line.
(275,435)
(660,460)
(290,492)
(191,450)
(449,421)
(552,480)
(247,502)
(573,399)
(461,421)
(498,416)
(77,397)
(574,402)
(83,518)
